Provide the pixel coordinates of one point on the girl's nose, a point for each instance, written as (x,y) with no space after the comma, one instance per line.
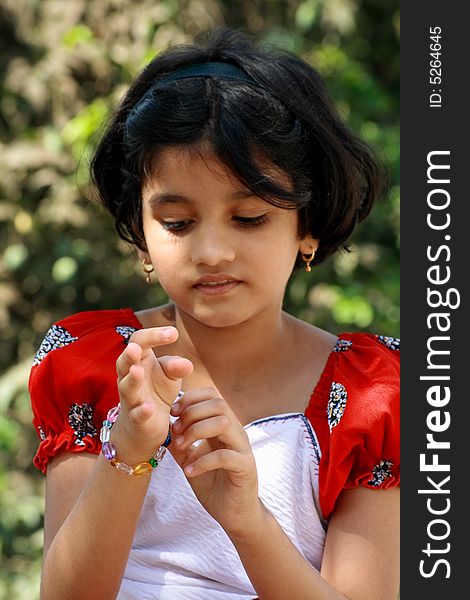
(211,247)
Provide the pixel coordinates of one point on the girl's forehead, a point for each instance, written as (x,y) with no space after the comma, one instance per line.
(199,165)
(199,160)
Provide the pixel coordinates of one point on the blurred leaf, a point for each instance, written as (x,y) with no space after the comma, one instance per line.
(306,14)
(64,269)
(75,35)
(84,125)
(353,310)
(8,432)
(14,256)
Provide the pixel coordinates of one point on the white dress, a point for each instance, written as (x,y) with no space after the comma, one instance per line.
(181,553)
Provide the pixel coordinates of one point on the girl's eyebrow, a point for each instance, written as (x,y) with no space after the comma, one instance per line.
(158,199)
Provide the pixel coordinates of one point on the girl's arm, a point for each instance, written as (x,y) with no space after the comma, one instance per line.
(90,520)
(92,509)
(360,562)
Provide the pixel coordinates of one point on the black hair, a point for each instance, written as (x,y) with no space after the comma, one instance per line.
(286,118)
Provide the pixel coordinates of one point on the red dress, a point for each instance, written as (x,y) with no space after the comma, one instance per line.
(353,410)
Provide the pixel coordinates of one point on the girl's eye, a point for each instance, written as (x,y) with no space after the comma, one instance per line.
(251,221)
(181,226)
(175,226)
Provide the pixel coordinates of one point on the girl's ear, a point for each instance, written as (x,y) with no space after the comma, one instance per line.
(143,255)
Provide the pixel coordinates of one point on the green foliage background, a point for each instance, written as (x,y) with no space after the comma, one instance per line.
(63,65)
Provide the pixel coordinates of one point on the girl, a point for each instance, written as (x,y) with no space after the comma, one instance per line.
(227,167)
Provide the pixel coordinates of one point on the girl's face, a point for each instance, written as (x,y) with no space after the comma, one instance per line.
(222,254)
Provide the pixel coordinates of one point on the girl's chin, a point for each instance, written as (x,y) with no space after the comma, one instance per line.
(216,318)
(218,321)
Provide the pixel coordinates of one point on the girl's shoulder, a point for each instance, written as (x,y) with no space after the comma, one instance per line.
(72,383)
(362,364)
(355,412)
(80,327)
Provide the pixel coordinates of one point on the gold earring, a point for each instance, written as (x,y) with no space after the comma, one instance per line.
(147,271)
(308,259)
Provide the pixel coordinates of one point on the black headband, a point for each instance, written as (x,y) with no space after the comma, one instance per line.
(208,69)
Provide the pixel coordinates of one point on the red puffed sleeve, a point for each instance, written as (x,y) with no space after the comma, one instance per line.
(72,383)
(355,412)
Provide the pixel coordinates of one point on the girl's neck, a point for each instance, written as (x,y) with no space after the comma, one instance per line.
(268,365)
(241,349)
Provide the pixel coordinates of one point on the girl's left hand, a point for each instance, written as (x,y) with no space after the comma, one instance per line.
(221,469)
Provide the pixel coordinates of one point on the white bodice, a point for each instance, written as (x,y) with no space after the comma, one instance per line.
(181,553)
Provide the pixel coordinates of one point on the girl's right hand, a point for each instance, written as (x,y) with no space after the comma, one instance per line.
(147,388)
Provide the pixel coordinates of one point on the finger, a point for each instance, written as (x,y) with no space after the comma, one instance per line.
(193,397)
(151,337)
(176,367)
(197,412)
(166,375)
(219,427)
(193,452)
(218,459)
(130,356)
(130,385)
(141,412)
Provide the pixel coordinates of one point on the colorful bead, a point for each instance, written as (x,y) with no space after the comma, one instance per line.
(108,451)
(105,434)
(159,454)
(142,469)
(153,462)
(125,468)
(114,413)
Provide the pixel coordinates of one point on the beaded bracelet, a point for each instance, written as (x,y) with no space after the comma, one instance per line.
(109,450)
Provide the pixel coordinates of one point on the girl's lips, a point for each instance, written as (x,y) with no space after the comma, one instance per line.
(216,288)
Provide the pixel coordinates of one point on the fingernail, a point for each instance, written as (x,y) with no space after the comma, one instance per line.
(167,333)
(178,440)
(177,426)
(175,408)
(189,469)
